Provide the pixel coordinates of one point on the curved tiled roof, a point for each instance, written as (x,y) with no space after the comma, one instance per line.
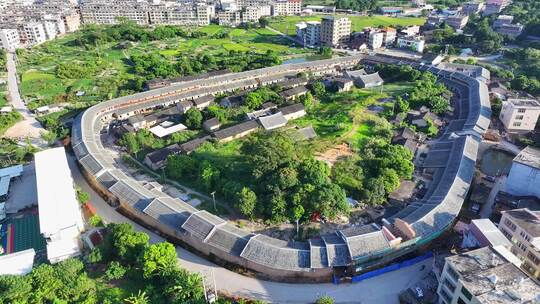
(451,160)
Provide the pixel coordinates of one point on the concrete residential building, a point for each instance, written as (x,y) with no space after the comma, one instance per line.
(485,276)
(458,22)
(522,228)
(145,13)
(495,6)
(309,33)
(375,39)
(335,31)
(230,18)
(390,35)
(287,7)
(512,30)
(9,39)
(32,33)
(518,115)
(415,43)
(471,8)
(524,176)
(60,218)
(502,19)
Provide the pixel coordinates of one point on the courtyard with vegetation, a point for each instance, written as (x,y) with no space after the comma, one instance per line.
(275,177)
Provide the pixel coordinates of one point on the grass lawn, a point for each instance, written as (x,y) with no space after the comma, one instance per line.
(288,24)
(341,118)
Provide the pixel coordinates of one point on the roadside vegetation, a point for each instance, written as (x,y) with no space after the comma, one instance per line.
(125,268)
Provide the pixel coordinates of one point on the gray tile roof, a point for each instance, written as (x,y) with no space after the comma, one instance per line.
(229,239)
(266,251)
(273,121)
(201,223)
(236,129)
(530,156)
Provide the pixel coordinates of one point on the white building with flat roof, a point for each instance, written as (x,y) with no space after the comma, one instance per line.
(518,115)
(60,217)
(415,43)
(309,33)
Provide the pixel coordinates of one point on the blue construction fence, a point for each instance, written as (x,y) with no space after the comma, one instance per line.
(392,267)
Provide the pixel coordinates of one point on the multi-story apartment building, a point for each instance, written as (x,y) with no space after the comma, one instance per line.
(414,43)
(309,33)
(522,228)
(485,276)
(471,8)
(9,39)
(520,115)
(524,176)
(230,18)
(376,39)
(286,7)
(145,13)
(32,33)
(458,22)
(390,35)
(254,13)
(335,31)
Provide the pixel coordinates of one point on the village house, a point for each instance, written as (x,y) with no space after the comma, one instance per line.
(293,111)
(211,124)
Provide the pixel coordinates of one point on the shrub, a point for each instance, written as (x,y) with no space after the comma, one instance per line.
(115,271)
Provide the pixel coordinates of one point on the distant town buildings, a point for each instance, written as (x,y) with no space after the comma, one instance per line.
(376,39)
(335,31)
(524,176)
(495,6)
(518,115)
(24,24)
(522,228)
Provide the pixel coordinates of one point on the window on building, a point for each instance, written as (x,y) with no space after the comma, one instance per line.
(460,301)
(535,260)
(466,293)
(519,117)
(516,124)
(445,296)
(451,287)
(453,273)
(521,110)
(510,225)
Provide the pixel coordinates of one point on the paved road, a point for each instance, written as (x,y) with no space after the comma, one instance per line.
(29,127)
(383,289)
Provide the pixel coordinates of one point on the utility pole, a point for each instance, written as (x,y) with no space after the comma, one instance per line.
(214,199)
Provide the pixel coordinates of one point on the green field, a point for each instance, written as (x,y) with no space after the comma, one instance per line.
(111,69)
(288,24)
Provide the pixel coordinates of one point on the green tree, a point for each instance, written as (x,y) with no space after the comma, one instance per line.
(318,89)
(246,202)
(129,140)
(183,287)
(194,118)
(159,260)
(15,289)
(253,100)
(127,244)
